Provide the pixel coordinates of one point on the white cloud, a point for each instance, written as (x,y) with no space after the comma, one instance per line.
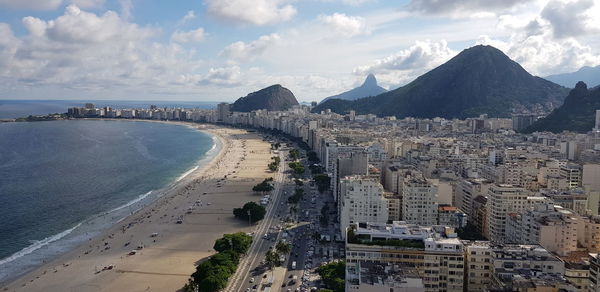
(573,18)
(450,7)
(409,63)
(548,43)
(192,36)
(188,16)
(86,52)
(347,26)
(543,55)
(242,51)
(256,12)
(224,76)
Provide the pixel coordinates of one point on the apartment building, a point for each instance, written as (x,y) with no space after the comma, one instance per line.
(551,226)
(361,200)
(502,200)
(419,201)
(434,252)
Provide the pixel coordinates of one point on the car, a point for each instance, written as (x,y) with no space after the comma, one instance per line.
(248,289)
(251,280)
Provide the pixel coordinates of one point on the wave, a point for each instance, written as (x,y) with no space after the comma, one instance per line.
(37,245)
(186,173)
(139,198)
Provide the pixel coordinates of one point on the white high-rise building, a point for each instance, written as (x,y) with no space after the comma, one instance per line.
(419,201)
(503,199)
(223,110)
(361,201)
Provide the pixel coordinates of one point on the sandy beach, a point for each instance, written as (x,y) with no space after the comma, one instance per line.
(203,200)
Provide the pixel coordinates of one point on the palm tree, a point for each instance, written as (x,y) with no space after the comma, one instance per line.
(271,259)
(283,247)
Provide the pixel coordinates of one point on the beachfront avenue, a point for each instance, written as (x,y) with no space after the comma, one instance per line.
(295,223)
(261,244)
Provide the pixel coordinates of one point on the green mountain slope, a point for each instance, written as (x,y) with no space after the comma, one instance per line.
(479,80)
(273,98)
(577,114)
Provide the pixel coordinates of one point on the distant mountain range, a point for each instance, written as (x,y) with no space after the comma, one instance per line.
(577,114)
(272,98)
(589,75)
(479,80)
(368,88)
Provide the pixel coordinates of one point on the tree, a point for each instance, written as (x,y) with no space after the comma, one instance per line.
(297,167)
(283,247)
(272,259)
(264,186)
(213,274)
(238,242)
(323,182)
(256,211)
(298,194)
(333,275)
(274,165)
(294,154)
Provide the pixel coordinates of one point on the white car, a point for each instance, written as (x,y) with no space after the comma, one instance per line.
(251,281)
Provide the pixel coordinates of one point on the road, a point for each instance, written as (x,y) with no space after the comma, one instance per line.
(260,245)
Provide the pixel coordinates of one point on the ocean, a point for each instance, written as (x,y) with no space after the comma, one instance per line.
(62,182)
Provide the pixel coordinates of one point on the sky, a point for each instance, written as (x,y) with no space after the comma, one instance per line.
(219,50)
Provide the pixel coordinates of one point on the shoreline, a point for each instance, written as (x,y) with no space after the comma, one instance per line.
(181,187)
(71,238)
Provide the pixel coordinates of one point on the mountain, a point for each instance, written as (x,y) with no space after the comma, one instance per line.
(273,98)
(479,80)
(577,114)
(589,75)
(368,88)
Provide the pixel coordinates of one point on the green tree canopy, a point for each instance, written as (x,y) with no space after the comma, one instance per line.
(334,275)
(256,211)
(272,259)
(323,182)
(241,242)
(283,247)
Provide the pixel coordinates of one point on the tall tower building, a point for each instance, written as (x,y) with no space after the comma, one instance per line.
(362,200)
(503,199)
(223,110)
